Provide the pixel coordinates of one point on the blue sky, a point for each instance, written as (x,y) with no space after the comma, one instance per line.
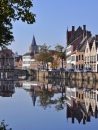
(52,19)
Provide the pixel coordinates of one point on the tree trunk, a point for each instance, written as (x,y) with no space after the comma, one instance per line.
(62,63)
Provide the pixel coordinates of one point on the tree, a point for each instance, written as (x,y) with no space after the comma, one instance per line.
(4,126)
(60,52)
(45,55)
(13,10)
(54,64)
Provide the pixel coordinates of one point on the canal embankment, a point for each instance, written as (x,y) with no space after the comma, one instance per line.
(83,76)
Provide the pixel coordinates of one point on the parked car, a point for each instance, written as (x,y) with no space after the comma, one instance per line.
(52,69)
(87,70)
(44,69)
(79,70)
(70,70)
(60,69)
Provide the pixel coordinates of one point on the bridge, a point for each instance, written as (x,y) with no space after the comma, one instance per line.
(7,73)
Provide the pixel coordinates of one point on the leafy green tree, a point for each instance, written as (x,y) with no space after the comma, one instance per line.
(13,10)
(60,52)
(45,56)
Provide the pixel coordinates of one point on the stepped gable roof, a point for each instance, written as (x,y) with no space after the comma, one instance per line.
(96,44)
(96,41)
(33,41)
(90,41)
(29,54)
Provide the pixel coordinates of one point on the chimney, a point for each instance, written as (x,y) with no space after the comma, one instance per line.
(73,28)
(84,27)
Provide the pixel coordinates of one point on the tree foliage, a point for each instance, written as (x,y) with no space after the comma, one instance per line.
(13,10)
(60,52)
(45,55)
(4,126)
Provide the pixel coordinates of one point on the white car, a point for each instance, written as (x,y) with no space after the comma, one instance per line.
(79,70)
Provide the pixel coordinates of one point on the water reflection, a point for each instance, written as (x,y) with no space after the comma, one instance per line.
(7,88)
(82,104)
(79,98)
(45,92)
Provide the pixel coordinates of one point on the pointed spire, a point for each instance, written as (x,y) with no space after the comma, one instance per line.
(33,41)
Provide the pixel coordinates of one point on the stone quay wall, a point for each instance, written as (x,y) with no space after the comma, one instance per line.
(84,76)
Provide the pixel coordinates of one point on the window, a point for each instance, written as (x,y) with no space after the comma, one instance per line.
(26,62)
(82,57)
(79,57)
(79,66)
(97,97)
(76,94)
(76,58)
(82,96)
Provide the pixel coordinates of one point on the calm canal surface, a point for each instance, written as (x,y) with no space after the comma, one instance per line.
(47,106)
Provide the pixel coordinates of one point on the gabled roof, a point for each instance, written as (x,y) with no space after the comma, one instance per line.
(96,44)
(90,41)
(79,29)
(75,35)
(6,53)
(18,58)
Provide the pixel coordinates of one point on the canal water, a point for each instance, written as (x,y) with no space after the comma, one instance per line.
(34,105)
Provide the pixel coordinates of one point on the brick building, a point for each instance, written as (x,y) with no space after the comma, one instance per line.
(73,39)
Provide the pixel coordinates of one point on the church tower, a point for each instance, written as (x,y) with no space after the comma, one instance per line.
(33,47)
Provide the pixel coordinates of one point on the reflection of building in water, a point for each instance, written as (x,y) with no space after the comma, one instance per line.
(7,88)
(32,86)
(91,101)
(74,112)
(38,86)
(18,84)
(73,93)
(28,85)
(33,95)
(53,88)
(81,104)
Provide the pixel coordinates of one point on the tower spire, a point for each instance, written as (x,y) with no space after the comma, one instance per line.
(33,41)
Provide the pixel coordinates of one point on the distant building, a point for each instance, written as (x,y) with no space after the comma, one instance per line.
(29,56)
(33,47)
(18,61)
(6,59)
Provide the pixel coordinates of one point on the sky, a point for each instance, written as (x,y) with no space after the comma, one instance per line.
(53,17)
